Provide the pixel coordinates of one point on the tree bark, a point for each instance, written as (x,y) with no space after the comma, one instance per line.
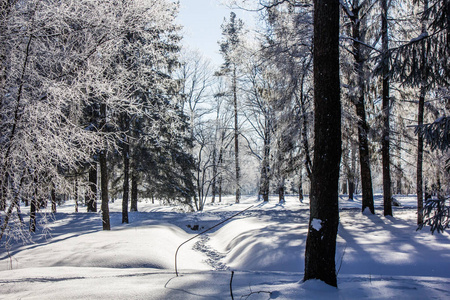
(300,185)
(281,189)
(91,194)
(363,127)
(236,138)
(399,171)
(420,115)
(134,191)
(3,192)
(308,164)
(126,170)
(34,207)
(53,199)
(265,168)
(76,194)
(324,213)
(214,175)
(104,175)
(352,173)
(419,178)
(385,149)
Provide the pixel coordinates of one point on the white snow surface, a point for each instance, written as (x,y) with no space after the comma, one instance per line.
(377,257)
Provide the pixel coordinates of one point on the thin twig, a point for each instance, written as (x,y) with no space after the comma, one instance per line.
(231,285)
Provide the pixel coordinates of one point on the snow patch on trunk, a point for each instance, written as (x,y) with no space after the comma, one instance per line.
(316,224)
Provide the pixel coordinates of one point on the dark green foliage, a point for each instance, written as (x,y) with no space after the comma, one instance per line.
(424,60)
(436,214)
(436,134)
(162,158)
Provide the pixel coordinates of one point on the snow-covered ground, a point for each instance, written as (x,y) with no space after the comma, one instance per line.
(377,257)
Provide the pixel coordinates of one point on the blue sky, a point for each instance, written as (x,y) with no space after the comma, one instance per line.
(201,20)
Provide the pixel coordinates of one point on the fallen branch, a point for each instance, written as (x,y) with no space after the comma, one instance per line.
(231,285)
(258,292)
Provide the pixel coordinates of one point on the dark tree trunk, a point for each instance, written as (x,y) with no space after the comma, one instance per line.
(351,187)
(265,168)
(281,192)
(420,115)
(351,174)
(76,194)
(399,164)
(91,194)
(324,213)
(33,208)
(364,157)
(3,193)
(134,192)
(53,199)
(126,174)
(214,176)
(308,164)
(104,190)
(419,178)
(385,151)
(236,138)
(104,175)
(220,178)
(220,188)
(300,185)
(363,127)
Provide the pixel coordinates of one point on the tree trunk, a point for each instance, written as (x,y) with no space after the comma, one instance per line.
(363,127)
(220,178)
(104,175)
(399,163)
(387,193)
(281,189)
(91,194)
(53,198)
(33,208)
(308,164)
(324,213)
(265,169)
(352,173)
(134,192)
(214,175)
(351,187)
(236,137)
(420,115)
(300,185)
(419,179)
(364,157)
(76,194)
(126,175)
(3,192)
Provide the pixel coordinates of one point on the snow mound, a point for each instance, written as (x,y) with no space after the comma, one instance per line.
(257,245)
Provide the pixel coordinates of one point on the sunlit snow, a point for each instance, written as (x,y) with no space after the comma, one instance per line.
(376,257)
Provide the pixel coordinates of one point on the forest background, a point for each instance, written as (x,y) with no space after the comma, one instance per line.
(100,103)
